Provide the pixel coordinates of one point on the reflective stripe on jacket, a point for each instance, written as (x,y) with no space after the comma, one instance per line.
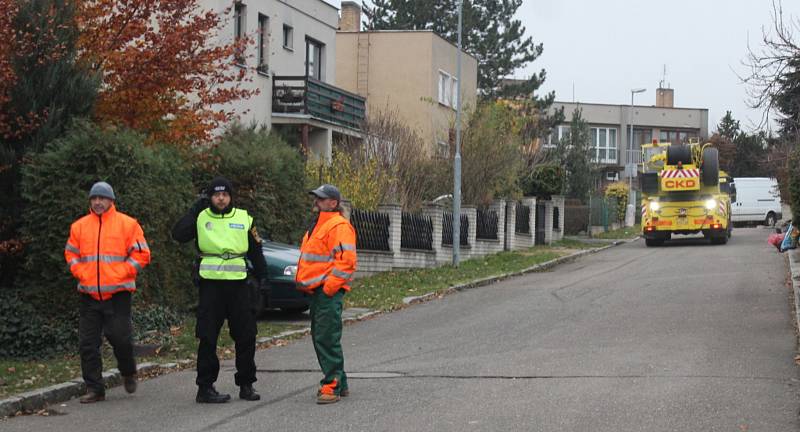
(327,255)
(106,252)
(223,243)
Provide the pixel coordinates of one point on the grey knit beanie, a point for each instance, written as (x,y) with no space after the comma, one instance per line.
(102,189)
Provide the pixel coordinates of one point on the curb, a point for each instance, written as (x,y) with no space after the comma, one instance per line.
(36,400)
(492,279)
(794,271)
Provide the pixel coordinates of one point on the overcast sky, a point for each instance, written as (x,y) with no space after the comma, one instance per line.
(606,48)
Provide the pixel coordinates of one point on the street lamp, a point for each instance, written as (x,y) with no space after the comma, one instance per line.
(457,158)
(630,218)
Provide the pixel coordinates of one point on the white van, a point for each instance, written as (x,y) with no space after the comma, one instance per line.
(758,200)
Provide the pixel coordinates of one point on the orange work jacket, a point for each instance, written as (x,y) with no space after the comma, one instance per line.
(105,253)
(327,255)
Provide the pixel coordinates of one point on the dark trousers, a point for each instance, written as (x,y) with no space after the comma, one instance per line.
(111,318)
(221,300)
(326,333)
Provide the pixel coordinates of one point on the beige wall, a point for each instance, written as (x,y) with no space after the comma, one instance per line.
(404,75)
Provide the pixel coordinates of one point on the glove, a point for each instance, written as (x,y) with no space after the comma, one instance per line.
(200,205)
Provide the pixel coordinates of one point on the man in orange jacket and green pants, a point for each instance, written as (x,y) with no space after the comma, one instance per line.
(326,267)
(105,251)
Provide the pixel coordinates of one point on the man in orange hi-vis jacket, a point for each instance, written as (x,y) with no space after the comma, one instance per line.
(105,251)
(326,267)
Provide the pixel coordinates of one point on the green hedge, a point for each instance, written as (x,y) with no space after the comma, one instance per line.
(543,180)
(152,184)
(268,179)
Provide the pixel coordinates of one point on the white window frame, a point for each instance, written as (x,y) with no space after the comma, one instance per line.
(612,175)
(560,132)
(239,28)
(596,133)
(454,92)
(444,87)
(263,43)
(288,37)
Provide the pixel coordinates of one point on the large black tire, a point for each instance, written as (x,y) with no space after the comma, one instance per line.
(719,240)
(648,182)
(679,153)
(710,167)
(653,242)
(770,220)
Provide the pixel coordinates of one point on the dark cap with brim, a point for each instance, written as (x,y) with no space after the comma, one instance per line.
(327,191)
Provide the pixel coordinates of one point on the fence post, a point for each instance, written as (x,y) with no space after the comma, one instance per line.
(347,208)
(548,221)
(395,213)
(436,213)
(530,202)
(472,216)
(511,224)
(560,202)
(499,207)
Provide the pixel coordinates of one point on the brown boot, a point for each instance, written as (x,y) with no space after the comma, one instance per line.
(130,383)
(92,397)
(325,398)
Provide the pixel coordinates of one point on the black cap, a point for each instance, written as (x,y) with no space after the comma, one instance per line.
(327,191)
(220,184)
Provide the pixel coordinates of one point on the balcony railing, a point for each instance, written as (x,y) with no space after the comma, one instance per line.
(321,101)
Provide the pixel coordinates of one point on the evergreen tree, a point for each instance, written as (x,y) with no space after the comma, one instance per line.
(575,153)
(490,33)
(729,127)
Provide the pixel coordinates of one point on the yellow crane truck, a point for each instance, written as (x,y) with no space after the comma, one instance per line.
(684,192)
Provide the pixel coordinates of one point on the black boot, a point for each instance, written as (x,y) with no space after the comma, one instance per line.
(248,393)
(210,395)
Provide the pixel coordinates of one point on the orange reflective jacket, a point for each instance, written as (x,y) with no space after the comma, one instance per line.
(327,255)
(106,252)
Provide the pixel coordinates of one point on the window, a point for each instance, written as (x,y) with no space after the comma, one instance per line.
(314,59)
(443,149)
(444,88)
(604,141)
(612,176)
(556,136)
(454,93)
(288,37)
(263,43)
(239,15)
(675,137)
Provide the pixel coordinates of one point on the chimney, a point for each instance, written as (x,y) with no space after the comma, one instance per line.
(665,97)
(351,17)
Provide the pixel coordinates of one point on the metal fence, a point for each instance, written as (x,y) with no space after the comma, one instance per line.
(523,219)
(447,230)
(372,230)
(417,232)
(486,225)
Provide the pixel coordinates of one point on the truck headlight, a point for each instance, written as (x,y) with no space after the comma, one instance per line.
(290,270)
(711,204)
(655,206)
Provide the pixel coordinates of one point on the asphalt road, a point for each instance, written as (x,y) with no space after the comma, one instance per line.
(685,337)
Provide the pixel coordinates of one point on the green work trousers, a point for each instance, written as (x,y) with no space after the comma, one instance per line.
(326,332)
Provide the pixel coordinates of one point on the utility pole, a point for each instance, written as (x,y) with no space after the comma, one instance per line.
(457,158)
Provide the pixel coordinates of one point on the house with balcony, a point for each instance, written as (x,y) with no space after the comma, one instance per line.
(412,73)
(293,56)
(610,130)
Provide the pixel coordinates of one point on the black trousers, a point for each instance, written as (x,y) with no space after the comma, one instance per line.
(110,317)
(221,300)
